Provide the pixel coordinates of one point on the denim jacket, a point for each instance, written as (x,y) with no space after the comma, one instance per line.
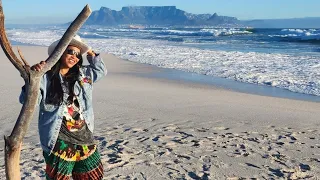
(50,116)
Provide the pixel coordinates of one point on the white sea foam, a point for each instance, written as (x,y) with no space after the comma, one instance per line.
(201,32)
(299,34)
(226,32)
(296,73)
(35,37)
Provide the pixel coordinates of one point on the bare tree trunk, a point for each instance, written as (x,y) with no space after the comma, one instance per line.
(13,143)
(12,160)
(32,85)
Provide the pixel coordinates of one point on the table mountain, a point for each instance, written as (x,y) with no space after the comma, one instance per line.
(155,15)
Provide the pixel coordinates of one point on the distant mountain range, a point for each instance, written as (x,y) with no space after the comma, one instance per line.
(171,16)
(156,15)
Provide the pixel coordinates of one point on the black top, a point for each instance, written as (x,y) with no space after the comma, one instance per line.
(74,128)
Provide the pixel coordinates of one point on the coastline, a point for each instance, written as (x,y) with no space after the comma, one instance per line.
(228,84)
(157,128)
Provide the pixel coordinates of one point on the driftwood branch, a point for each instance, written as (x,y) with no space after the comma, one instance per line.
(32,86)
(6,46)
(22,57)
(66,38)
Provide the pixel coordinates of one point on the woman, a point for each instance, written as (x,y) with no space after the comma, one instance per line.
(66,119)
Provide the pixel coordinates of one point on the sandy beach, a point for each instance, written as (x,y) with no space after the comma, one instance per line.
(152,128)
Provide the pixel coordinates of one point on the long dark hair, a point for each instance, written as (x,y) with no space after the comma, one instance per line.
(55,92)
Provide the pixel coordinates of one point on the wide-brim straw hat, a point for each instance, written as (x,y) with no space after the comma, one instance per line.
(76,41)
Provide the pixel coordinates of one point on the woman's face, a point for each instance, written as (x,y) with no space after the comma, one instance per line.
(70,57)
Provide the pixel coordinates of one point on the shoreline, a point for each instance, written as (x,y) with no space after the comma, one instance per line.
(227,84)
(156,128)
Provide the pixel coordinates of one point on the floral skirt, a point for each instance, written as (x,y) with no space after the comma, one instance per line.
(77,161)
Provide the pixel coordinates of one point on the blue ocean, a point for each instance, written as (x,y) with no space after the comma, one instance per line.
(287,59)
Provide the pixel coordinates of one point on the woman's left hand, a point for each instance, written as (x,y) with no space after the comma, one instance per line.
(91,53)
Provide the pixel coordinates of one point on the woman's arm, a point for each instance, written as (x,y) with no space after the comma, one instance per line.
(96,68)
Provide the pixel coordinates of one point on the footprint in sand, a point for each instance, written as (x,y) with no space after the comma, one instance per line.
(184,157)
(156,139)
(195,143)
(170,127)
(252,165)
(221,128)
(202,129)
(142,139)
(206,165)
(102,141)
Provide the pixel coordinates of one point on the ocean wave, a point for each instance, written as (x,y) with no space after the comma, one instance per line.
(203,32)
(180,32)
(37,37)
(92,35)
(227,32)
(299,35)
(166,38)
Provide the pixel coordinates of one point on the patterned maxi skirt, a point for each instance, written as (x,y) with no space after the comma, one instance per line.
(77,161)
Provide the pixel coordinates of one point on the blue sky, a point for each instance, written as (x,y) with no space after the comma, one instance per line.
(60,11)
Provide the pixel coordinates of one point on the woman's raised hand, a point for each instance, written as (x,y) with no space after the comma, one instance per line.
(39,66)
(91,53)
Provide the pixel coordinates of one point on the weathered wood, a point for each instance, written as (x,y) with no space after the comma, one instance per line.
(12,159)
(6,46)
(67,37)
(32,85)
(22,58)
